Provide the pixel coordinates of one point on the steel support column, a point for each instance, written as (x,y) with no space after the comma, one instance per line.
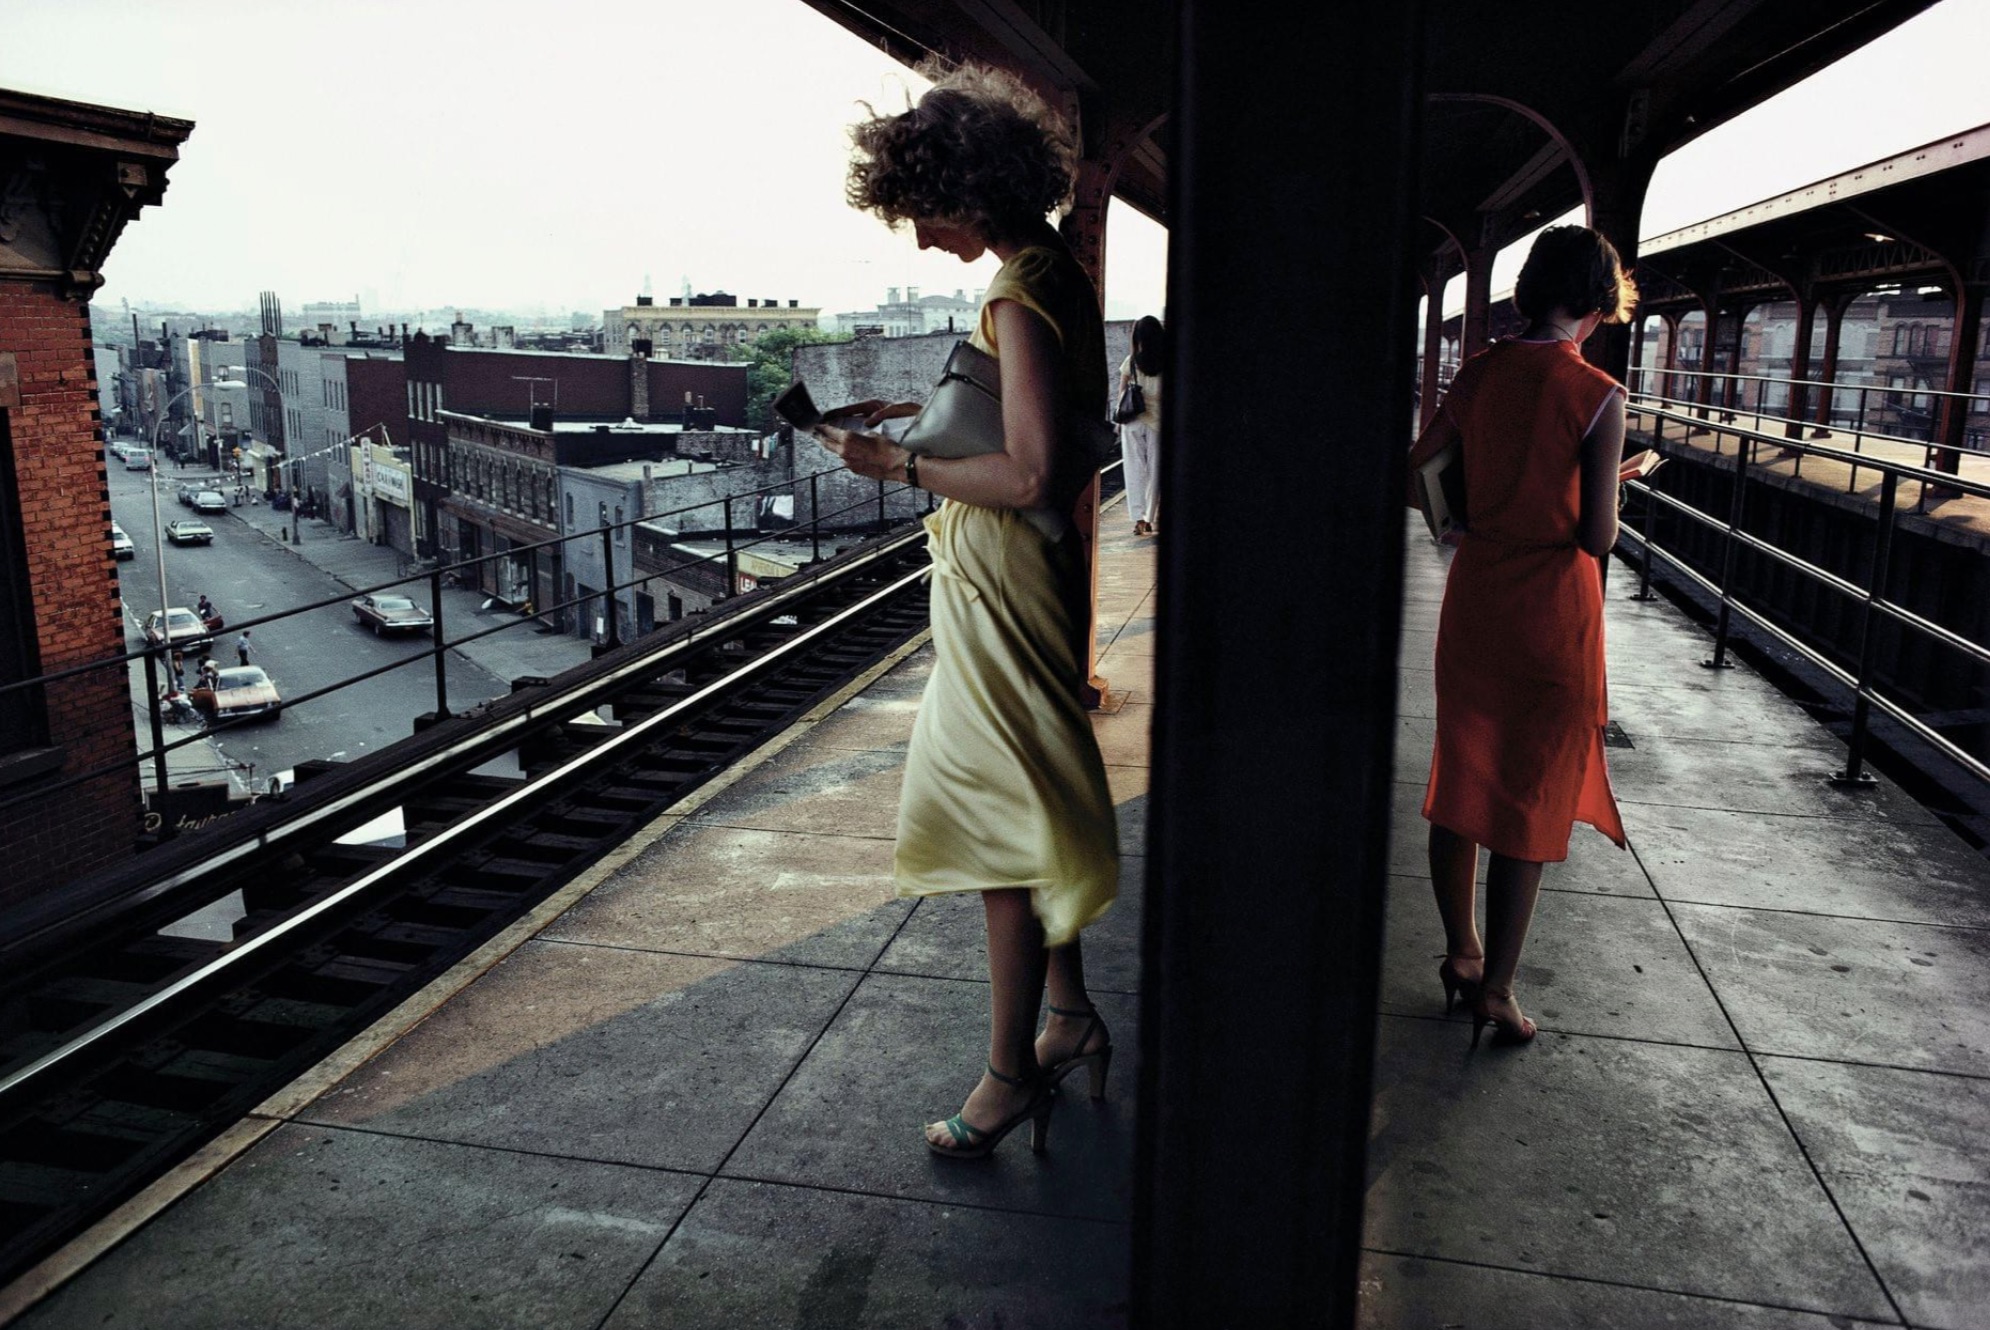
(1962,373)
(1616,203)
(1269,826)
(1433,283)
(1827,372)
(1800,363)
(1476,324)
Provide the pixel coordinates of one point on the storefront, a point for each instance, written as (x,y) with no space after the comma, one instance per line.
(383,490)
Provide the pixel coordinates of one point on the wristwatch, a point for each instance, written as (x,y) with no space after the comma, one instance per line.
(912,470)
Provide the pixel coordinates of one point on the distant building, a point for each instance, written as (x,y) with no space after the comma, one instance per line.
(700,327)
(510,384)
(337,313)
(914,315)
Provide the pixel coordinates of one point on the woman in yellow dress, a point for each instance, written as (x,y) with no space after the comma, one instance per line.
(1005,792)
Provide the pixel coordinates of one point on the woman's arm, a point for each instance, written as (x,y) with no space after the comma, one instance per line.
(1021,475)
(1440,434)
(1601,454)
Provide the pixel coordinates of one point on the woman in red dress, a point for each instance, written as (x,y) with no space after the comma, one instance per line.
(1520,690)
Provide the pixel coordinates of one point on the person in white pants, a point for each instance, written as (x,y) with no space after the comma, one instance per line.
(1139,438)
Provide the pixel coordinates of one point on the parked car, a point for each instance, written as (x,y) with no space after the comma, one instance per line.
(184,626)
(137,459)
(190,531)
(121,545)
(186,492)
(391,614)
(210,501)
(243,690)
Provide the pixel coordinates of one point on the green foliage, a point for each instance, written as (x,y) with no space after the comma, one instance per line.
(770,358)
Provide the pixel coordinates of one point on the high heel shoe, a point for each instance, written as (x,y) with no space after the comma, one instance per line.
(1505,1032)
(1457,988)
(1099,1060)
(972,1142)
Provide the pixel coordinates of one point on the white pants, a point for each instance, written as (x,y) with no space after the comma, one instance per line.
(1137,444)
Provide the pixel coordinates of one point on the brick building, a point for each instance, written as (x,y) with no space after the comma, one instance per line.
(73,176)
(700,327)
(508,384)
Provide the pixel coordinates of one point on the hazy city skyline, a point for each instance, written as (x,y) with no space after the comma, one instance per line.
(449,154)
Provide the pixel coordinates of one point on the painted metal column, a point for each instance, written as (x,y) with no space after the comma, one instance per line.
(1477,330)
(1617,185)
(1800,363)
(1961,376)
(1671,358)
(1268,827)
(1084,230)
(1730,390)
(1704,390)
(1827,373)
(1433,346)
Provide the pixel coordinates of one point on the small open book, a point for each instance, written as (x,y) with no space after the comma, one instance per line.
(1440,491)
(1639,466)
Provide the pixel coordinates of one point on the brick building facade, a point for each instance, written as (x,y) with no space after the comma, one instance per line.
(72,177)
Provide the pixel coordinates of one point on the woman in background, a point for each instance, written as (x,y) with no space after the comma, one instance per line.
(1521,701)
(1140,437)
(1005,792)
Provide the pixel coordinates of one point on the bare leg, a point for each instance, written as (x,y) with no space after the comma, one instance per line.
(1454,863)
(1016,963)
(1512,888)
(1067,1036)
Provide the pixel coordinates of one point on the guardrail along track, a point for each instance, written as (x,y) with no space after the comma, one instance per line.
(124,1047)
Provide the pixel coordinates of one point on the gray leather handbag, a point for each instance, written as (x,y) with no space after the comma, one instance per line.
(963,417)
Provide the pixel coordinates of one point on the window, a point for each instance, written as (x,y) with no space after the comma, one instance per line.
(570,512)
(620,530)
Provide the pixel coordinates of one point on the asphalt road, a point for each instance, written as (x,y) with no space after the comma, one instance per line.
(246,575)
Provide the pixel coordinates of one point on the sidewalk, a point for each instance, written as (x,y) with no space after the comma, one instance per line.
(524,650)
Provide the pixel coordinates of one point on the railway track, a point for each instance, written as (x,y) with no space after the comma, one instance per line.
(125,1045)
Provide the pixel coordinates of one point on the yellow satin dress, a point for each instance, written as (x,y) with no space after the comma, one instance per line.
(1004,786)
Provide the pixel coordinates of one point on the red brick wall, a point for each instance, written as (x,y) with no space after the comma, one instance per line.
(65,512)
(377,394)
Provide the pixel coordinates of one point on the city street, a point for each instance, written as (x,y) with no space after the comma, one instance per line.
(248,574)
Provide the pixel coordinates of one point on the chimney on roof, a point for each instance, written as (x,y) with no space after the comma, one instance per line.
(639,384)
(752,303)
(542,418)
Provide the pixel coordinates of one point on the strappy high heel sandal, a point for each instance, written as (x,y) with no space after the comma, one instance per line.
(972,1142)
(1505,1032)
(1457,988)
(1099,1060)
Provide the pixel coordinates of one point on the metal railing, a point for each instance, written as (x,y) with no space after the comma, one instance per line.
(1878,412)
(1869,593)
(820,526)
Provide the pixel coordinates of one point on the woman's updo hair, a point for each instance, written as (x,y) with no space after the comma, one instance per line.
(1576,269)
(979,149)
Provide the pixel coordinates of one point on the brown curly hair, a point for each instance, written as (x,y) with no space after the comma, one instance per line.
(979,149)
(1576,269)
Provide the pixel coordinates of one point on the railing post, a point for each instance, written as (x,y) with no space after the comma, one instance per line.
(881,522)
(608,584)
(441,655)
(158,728)
(1644,571)
(1728,546)
(1855,756)
(732,555)
(814,519)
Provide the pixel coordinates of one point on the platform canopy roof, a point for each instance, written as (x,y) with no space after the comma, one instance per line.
(1529,106)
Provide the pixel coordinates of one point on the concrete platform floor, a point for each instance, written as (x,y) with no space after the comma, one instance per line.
(690,1093)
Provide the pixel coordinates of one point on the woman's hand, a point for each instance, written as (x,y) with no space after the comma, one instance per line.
(871,456)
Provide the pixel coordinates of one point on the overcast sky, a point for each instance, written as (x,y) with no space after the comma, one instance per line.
(501,154)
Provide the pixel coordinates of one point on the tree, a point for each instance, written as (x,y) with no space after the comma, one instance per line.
(770,358)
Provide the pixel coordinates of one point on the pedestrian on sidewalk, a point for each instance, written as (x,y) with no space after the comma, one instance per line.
(242,647)
(179,670)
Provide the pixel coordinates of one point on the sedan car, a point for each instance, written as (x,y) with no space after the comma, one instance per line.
(210,501)
(391,614)
(242,691)
(188,531)
(183,625)
(186,493)
(121,545)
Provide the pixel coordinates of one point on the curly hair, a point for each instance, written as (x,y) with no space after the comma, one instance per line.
(1576,269)
(979,149)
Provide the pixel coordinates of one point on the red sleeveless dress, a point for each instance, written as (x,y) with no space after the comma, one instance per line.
(1521,702)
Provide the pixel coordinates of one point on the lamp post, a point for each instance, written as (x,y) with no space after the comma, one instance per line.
(220,376)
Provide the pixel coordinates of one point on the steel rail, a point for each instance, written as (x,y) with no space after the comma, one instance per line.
(417,857)
(1864,461)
